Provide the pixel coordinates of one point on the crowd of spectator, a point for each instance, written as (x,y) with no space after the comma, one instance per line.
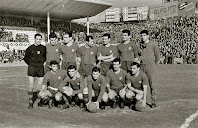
(8,37)
(176,37)
(61,26)
(10,56)
(21,37)
(15,21)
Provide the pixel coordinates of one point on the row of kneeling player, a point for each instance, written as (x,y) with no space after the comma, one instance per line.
(68,88)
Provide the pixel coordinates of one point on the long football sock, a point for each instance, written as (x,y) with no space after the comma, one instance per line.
(30,95)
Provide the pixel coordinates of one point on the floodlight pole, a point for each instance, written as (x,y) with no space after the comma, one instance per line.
(48,26)
(32,20)
(87,25)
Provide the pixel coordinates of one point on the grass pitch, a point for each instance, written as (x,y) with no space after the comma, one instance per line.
(177,99)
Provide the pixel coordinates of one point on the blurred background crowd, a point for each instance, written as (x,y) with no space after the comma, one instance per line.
(176,37)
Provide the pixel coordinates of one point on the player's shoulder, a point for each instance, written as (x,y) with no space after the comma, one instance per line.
(110,71)
(95,47)
(31,46)
(63,46)
(152,42)
(58,44)
(142,73)
(89,77)
(129,74)
(42,46)
(75,45)
(82,48)
(62,71)
(120,43)
(48,73)
(113,45)
(101,46)
(67,78)
(47,45)
(102,77)
(80,78)
(123,71)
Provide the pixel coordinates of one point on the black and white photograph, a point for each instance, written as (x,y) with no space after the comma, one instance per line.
(99,63)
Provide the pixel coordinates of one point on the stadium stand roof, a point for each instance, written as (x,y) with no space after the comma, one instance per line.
(64,9)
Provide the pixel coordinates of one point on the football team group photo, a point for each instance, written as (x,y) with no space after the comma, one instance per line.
(98,63)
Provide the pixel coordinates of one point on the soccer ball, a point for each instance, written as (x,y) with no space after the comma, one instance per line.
(92,107)
(139,106)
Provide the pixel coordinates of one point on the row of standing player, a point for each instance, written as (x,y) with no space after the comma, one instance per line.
(147,53)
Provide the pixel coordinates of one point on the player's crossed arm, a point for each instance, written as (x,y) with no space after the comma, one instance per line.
(106,58)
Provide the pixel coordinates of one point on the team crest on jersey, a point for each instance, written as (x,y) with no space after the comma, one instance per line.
(110,51)
(38,52)
(129,48)
(91,53)
(72,50)
(56,50)
(140,82)
(120,78)
(59,78)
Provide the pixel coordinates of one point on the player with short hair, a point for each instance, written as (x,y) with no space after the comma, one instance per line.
(106,53)
(76,83)
(128,51)
(149,58)
(97,88)
(86,56)
(51,83)
(68,51)
(52,51)
(137,82)
(116,83)
(35,57)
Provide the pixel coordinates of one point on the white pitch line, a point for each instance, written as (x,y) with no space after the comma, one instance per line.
(189,120)
(18,87)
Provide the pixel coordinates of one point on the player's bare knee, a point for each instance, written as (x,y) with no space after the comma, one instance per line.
(105,97)
(80,96)
(111,97)
(122,93)
(85,90)
(139,97)
(130,94)
(58,96)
